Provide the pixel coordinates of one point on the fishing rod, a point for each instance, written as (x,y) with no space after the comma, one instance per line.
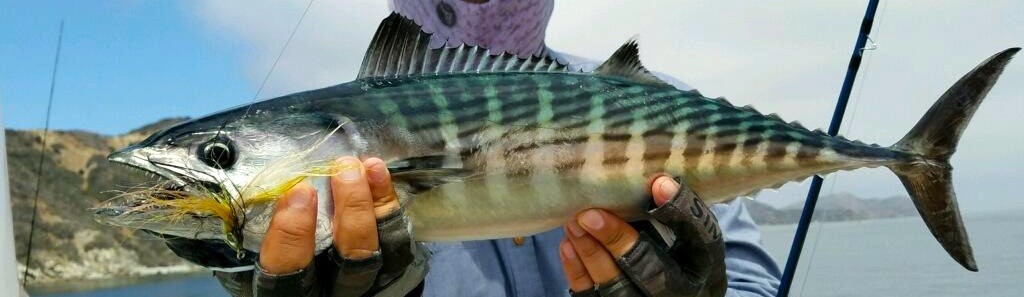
(42,154)
(833,129)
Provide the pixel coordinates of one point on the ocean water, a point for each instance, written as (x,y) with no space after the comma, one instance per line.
(899,257)
(892,257)
(195,285)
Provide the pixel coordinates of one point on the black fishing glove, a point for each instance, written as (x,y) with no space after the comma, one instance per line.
(397,269)
(384,268)
(694,264)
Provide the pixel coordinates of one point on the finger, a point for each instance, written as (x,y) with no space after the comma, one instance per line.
(598,262)
(575,272)
(289,243)
(385,201)
(355,225)
(664,188)
(394,240)
(614,234)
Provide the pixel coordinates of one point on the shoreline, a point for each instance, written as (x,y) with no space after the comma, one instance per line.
(971,216)
(142,275)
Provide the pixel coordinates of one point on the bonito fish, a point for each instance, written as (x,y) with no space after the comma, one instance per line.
(485,145)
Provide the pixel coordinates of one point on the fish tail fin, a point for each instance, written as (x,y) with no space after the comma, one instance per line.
(927,176)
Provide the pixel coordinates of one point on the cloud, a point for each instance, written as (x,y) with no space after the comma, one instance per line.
(326,49)
(789,59)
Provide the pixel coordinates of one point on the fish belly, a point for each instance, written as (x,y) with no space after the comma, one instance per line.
(499,207)
(527,187)
(481,209)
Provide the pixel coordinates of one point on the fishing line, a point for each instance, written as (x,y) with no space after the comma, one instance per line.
(42,154)
(278,59)
(240,204)
(849,127)
(273,66)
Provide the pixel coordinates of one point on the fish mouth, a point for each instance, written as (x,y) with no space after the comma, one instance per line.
(181,203)
(123,209)
(174,177)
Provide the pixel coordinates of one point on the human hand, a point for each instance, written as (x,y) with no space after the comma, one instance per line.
(602,255)
(367,207)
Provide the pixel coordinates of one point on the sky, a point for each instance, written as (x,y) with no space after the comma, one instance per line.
(128,63)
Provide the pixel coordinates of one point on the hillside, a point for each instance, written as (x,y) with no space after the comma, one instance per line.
(839,207)
(68,243)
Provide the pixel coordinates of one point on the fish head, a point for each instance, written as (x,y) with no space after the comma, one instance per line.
(219,173)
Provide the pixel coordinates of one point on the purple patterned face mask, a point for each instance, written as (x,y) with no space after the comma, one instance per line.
(512,26)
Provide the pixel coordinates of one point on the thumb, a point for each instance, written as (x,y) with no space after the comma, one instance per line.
(664,188)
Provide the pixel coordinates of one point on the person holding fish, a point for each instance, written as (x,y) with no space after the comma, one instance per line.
(596,254)
(468,129)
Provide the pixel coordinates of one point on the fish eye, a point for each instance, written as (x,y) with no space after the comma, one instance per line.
(218,153)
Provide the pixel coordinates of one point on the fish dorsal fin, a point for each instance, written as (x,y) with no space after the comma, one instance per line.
(400,48)
(625,62)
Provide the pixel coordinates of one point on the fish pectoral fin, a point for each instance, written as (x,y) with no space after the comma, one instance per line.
(426,172)
(426,179)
